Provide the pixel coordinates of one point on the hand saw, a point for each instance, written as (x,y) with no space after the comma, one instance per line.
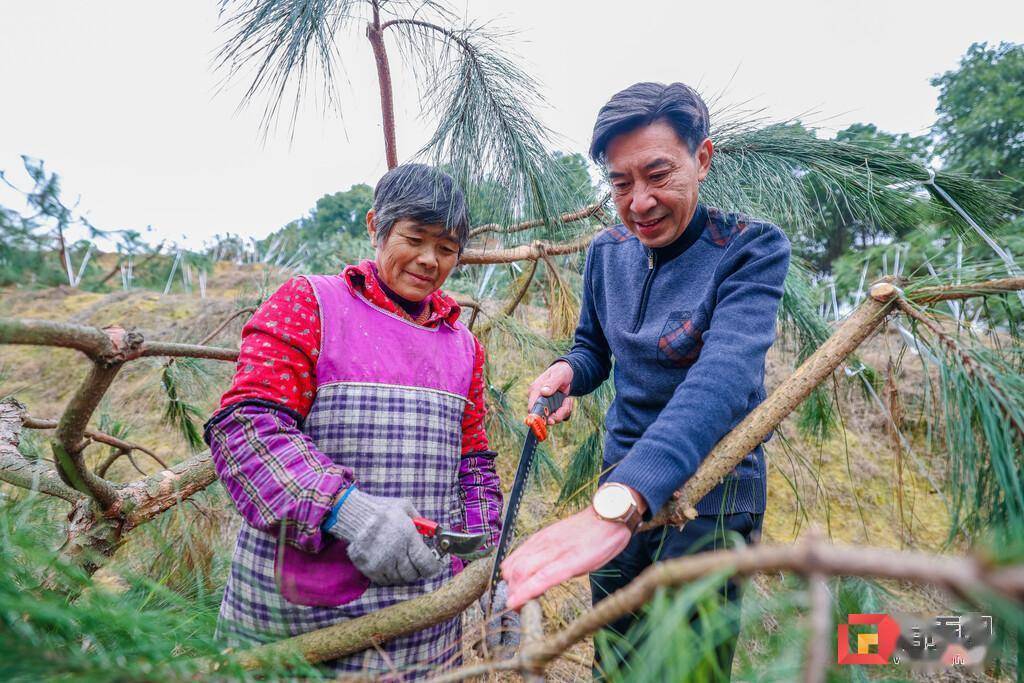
(537,421)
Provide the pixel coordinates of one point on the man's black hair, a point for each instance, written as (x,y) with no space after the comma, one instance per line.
(641,104)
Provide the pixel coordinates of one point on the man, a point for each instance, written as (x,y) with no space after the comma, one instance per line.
(683,297)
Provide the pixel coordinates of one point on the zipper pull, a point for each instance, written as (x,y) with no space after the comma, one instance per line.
(650,260)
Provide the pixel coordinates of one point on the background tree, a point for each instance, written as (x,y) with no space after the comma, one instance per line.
(980,129)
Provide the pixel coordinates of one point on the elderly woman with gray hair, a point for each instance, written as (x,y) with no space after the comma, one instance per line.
(357,404)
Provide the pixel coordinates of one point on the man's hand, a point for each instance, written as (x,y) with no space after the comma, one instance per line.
(556,378)
(571,547)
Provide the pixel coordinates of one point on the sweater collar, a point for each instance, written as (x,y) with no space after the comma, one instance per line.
(690,235)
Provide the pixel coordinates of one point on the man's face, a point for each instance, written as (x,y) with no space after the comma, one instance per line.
(654,181)
(416,258)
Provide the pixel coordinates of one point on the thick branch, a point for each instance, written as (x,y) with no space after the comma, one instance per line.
(568,217)
(18,470)
(526,252)
(533,636)
(767,416)
(342,639)
(69,439)
(89,340)
(142,500)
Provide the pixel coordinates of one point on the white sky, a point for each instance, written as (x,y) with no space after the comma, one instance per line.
(120,98)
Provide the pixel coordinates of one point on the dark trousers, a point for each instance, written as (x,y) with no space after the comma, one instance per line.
(702,534)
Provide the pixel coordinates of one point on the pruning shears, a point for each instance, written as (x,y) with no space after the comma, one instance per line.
(444,541)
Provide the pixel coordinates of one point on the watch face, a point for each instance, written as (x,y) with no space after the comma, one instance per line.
(612,502)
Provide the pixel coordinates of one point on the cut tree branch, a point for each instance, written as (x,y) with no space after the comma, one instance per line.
(510,306)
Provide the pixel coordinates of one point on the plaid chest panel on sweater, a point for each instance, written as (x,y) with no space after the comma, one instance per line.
(402,442)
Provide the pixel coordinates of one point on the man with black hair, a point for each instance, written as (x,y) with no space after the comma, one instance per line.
(683,297)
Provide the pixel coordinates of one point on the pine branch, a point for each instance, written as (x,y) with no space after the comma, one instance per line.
(99,437)
(19,471)
(527,252)
(568,217)
(974,369)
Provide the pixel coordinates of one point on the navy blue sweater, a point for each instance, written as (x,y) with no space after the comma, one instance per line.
(688,326)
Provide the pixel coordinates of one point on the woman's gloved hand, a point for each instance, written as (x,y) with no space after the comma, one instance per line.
(382,541)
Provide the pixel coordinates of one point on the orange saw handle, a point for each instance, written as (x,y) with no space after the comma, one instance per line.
(537,420)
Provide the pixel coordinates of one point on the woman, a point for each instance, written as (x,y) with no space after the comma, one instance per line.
(358,403)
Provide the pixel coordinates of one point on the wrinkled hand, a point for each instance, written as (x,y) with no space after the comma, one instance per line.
(556,378)
(502,625)
(572,547)
(383,542)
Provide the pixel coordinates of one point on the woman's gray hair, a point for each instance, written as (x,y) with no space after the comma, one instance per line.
(421,193)
(642,104)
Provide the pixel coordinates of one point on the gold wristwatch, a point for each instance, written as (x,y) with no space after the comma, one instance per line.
(615,503)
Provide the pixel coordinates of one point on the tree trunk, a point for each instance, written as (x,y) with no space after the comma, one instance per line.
(387,106)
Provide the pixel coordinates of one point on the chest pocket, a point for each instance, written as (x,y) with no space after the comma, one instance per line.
(681,338)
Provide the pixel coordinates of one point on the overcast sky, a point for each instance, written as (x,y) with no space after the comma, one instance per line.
(120,97)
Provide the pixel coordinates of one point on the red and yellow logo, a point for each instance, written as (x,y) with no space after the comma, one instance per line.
(873,647)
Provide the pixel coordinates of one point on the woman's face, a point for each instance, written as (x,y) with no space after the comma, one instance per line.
(416,258)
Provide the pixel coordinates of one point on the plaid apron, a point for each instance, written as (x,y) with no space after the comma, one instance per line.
(389,404)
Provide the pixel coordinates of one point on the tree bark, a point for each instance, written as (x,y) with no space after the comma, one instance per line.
(568,217)
(375,35)
(526,252)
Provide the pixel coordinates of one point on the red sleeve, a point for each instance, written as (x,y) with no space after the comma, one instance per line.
(280,345)
(474,438)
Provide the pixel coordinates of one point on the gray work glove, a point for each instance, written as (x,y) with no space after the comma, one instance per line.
(502,625)
(382,541)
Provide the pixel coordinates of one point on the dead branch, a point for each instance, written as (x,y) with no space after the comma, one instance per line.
(527,252)
(568,217)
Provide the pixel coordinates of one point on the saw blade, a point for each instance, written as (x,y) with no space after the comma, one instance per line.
(515,497)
